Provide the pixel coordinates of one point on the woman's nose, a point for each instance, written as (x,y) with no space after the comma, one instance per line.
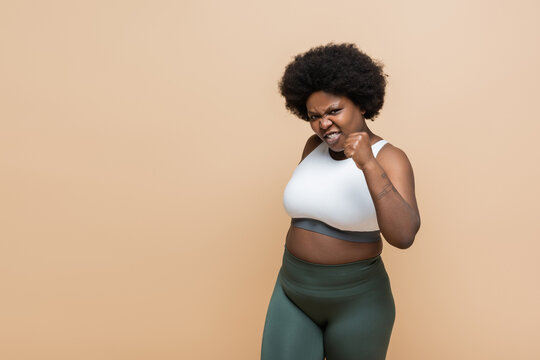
(325,122)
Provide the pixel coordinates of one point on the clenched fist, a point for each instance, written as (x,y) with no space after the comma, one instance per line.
(358,147)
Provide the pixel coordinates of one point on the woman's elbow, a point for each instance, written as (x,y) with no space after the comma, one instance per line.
(406,238)
(405,244)
(409,240)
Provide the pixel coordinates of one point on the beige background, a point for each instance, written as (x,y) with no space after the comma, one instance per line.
(144,150)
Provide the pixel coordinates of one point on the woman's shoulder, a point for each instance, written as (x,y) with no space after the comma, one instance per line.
(394,160)
(312,142)
(389,151)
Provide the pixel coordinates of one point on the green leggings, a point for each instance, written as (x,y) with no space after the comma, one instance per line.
(341,312)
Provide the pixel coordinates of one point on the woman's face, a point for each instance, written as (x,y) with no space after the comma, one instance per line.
(331,114)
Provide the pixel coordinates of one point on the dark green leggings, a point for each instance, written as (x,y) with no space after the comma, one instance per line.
(343,312)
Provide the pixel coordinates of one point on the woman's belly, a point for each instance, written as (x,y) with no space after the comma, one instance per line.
(323,249)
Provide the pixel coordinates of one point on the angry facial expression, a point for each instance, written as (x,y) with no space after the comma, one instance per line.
(333,118)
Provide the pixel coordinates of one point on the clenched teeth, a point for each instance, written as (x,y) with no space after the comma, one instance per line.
(332,135)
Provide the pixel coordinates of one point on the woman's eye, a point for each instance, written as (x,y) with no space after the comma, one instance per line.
(334,111)
(313,117)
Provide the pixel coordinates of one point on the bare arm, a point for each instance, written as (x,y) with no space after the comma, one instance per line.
(390,181)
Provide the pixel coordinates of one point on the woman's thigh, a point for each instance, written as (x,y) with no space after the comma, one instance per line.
(289,334)
(362,328)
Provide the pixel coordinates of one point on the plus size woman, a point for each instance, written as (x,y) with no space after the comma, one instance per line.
(332,298)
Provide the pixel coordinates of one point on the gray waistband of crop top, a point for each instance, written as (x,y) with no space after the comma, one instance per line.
(325,229)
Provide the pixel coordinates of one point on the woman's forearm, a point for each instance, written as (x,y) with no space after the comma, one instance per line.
(398,220)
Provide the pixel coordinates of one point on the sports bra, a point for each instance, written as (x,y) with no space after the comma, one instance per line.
(331,197)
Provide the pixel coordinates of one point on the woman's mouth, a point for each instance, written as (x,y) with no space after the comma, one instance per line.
(332,137)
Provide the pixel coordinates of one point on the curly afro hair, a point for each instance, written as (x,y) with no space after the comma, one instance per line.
(339,69)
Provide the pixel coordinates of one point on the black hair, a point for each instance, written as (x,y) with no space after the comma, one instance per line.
(339,69)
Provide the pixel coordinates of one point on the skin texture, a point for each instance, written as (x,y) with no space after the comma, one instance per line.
(389,177)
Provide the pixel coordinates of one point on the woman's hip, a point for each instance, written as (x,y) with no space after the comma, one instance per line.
(333,280)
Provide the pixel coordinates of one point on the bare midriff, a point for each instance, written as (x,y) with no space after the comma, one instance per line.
(323,249)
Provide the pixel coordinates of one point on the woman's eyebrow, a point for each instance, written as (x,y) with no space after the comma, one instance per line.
(329,108)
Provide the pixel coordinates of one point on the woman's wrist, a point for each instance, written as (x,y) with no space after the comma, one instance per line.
(373,164)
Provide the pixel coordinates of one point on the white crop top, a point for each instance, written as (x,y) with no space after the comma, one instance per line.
(331,191)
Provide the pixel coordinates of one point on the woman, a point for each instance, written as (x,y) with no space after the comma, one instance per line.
(332,297)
